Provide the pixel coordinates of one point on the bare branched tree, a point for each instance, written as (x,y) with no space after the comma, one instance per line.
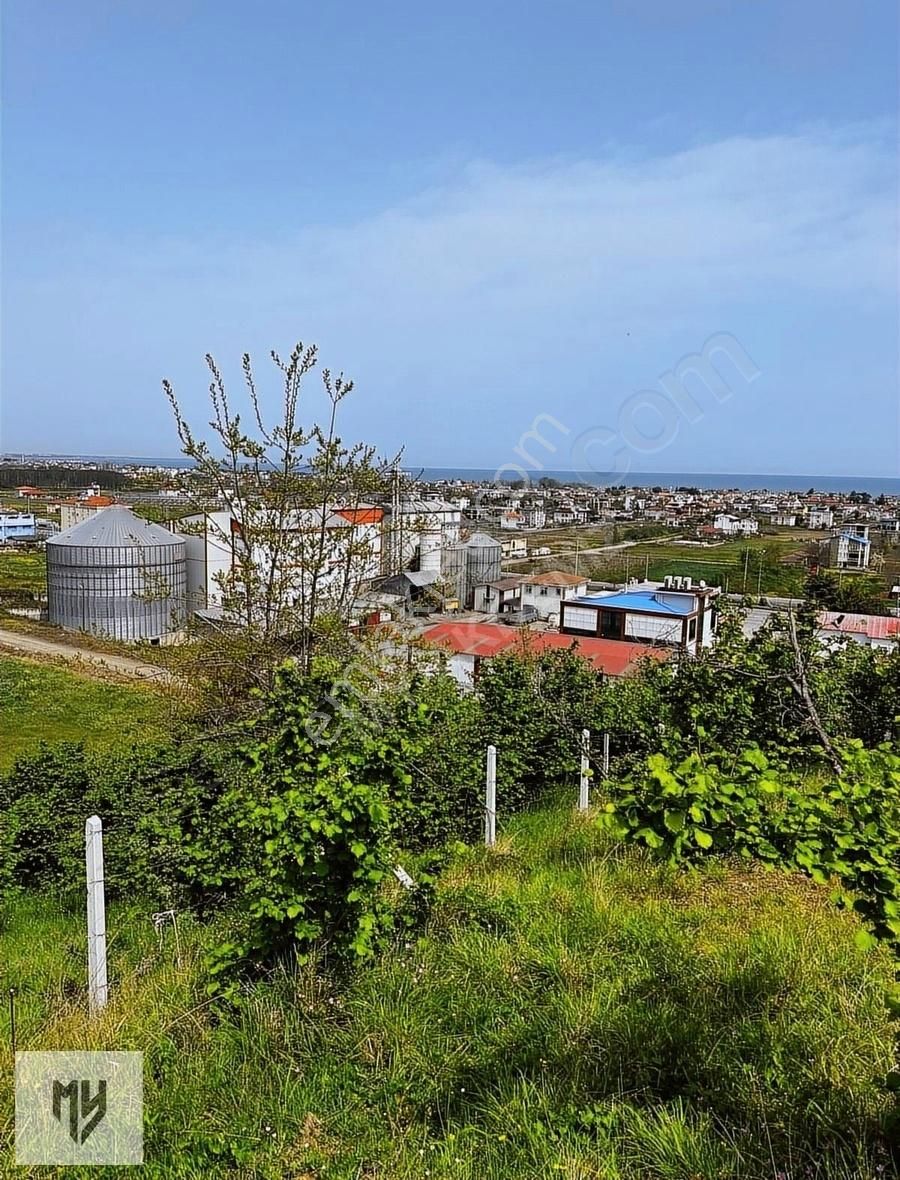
(293,536)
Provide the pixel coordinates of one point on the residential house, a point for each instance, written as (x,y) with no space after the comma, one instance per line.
(675,613)
(734,526)
(850,550)
(820,518)
(879,631)
(514,547)
(501,596)
(75,511)
(545,592)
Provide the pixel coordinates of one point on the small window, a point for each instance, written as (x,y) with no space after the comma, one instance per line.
(692,629)
(544,590)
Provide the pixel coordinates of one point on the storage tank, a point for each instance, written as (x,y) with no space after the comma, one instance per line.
(483,559)
(117,575)
(430,547)
(453,569)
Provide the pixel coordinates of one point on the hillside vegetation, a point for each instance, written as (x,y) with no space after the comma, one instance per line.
(693,980)
(570,1008)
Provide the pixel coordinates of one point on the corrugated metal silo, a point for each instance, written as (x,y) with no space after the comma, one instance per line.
(117,575)
(453,568)
(483,559)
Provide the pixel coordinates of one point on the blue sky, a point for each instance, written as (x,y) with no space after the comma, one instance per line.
(483,212)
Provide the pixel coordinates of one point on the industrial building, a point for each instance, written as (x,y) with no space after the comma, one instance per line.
(471,563)
(119,576)
(416,532)
(215,547)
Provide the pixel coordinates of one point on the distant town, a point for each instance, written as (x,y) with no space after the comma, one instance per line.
(465,565)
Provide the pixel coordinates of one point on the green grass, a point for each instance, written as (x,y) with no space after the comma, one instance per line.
(42,702)
(22,570)
(571,1010)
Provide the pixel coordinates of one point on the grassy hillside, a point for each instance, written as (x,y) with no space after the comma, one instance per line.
(571,1010)
(41,702)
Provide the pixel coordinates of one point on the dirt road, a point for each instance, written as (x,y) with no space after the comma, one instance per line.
(15,641)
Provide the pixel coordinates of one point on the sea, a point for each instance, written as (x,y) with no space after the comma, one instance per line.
(875,485)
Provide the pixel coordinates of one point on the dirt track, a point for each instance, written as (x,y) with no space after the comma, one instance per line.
(15,641)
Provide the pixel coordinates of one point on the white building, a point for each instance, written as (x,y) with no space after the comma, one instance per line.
(17,526)
(820,518)
(850,551)
(734,526)
(418,532)
(215,548)
(545,592)
(514,547)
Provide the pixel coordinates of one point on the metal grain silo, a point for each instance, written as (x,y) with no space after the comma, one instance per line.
(483,559)
(117,575)
(453,569)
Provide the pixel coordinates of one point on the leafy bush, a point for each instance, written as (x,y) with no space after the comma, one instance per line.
(847,827)
(158,804)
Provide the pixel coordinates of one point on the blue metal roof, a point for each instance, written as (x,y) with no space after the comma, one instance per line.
(641,600)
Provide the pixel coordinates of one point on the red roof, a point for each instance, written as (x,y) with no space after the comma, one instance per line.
(91,502)
(614,657)
(361,515)
(872,626)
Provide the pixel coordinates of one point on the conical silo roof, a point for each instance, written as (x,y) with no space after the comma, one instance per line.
(482,541)
(116,528)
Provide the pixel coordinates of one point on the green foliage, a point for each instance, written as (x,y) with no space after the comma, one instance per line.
(572,1008)
(158,805)
(319,830)
(854,593)
(846,828)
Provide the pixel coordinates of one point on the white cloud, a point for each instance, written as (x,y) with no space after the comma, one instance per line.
(517,281)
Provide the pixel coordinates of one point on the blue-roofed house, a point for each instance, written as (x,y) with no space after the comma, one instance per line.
(850,549)
(674,613)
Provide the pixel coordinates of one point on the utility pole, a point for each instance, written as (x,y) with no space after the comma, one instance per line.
(746,568)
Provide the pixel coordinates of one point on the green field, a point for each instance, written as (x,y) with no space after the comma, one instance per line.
(767,562)
(571,1009)
(40,702)
(22,570)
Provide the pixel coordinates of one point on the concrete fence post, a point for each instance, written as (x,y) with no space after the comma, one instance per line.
(490,798)
(584,778)
(98,989)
